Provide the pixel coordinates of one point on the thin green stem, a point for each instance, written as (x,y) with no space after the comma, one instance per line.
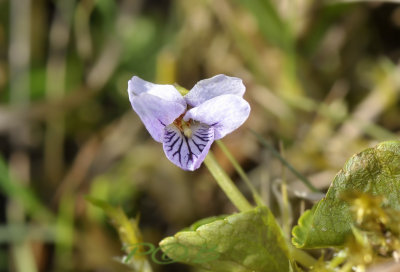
(226,184)
(338,260)
(240,171)
(285,162)
(285,199)
(302,257)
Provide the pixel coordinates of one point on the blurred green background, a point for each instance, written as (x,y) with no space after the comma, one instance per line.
(322,78)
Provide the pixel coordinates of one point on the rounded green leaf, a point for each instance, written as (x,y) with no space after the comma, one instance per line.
(247,241)
(375,171)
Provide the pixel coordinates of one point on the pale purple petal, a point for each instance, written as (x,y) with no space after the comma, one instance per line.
(224,113)
(188,152)
(156,113)
(212,87)
(138,86)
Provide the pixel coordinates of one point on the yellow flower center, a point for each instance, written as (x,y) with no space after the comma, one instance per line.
(187,131)
(183,126)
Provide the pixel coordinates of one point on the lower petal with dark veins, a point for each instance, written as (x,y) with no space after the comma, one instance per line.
(188,152)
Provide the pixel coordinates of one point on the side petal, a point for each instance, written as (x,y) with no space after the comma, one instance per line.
(212,87)
(188,152)
(224,113)
(138,86)
(156,113)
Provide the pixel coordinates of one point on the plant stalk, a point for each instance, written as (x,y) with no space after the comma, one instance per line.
(302,257)
(240,171)
(226,184)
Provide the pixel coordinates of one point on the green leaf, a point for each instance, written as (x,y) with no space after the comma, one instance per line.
(375,171)
(128,229)
(129,234)
(204,221)
(247,241)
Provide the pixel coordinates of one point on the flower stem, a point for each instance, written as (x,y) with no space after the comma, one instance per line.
(286,210)
(240,171)
(301,257)
(226,184)
(338,260)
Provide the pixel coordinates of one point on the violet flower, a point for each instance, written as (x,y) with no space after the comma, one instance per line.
(187,125)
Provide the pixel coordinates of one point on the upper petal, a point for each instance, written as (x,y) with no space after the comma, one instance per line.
(224,113)
(156,113)
(138,86)
(188,152)
(212,87)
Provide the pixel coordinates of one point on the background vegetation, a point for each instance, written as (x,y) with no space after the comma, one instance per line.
(322,77)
